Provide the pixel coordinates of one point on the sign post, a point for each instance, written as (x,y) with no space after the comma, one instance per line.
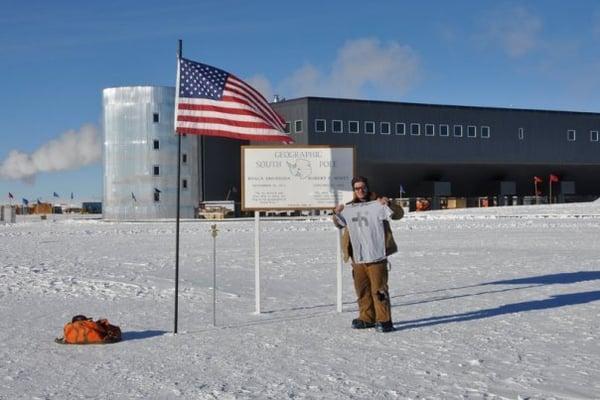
(295,177)
(214,231)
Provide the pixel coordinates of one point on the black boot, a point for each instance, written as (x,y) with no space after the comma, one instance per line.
(386,326)
(360,324)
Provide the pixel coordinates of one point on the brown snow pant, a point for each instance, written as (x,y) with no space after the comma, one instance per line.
(371,285)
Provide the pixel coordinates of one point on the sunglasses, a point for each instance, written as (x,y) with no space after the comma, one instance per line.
(363,188)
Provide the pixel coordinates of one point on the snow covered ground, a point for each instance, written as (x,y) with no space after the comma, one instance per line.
(488,303)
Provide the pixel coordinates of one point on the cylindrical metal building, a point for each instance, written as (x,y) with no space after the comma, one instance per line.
(140,156)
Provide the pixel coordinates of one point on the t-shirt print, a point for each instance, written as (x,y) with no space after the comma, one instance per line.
(364,222)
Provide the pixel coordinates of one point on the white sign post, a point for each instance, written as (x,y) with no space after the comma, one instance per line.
(257,261)
(295,178)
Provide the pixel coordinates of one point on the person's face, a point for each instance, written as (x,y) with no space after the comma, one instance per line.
(360,189)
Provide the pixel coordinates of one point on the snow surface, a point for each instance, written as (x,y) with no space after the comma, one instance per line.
(498,303)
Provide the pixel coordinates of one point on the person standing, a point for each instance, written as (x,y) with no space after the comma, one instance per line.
(367,240)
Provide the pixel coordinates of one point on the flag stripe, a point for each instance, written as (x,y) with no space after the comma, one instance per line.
(254,97)
(234,135)
(234,106)
(219,108)
(257,95)
(235,96)
(231,128)
(223,121)
(217,114)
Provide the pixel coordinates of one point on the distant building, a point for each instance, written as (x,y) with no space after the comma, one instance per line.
(91,207)
(448,154)
(459,151)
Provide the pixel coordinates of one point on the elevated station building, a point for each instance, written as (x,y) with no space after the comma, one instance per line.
(423,150)
(440,150)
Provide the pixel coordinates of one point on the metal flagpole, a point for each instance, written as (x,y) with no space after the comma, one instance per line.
(179,53)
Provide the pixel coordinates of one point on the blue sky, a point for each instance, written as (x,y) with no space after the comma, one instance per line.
(56,57)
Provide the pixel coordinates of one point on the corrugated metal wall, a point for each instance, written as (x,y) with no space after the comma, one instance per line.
(134,171)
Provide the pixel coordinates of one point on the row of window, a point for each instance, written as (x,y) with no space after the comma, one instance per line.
(385,128)
(400,128)
(414,129)
(572,135)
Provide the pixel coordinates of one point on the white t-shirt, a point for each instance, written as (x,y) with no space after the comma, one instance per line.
(364,222)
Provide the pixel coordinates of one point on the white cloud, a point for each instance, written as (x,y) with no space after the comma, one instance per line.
(262,84)
(360,65)
(515,30)
(72,150)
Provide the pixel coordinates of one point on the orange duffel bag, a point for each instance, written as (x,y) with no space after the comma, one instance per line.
(83,330)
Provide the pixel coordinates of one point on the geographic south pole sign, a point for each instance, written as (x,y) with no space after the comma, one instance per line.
(296,177)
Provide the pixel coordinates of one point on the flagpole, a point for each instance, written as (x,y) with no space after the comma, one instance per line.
(550,191)
(179,53)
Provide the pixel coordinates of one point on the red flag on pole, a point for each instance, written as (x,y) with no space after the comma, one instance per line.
(553,178)
(537,179)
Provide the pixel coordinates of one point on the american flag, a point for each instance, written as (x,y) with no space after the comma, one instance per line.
(213,102)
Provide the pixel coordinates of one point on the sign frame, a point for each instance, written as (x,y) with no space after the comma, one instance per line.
(243,150)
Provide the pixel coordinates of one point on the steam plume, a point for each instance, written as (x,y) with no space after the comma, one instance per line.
(72,150)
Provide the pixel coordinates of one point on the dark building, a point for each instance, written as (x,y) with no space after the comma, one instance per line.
(459,151)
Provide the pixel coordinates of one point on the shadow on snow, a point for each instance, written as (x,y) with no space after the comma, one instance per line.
(553,279)
(532,282)
(136,335)
(561,300)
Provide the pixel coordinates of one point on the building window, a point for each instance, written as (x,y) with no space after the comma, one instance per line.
(385,128)
(415,129)
(353,126)
(156,170)
(521,133)
(156,144)
(471,131)
(485,132)
(155,118)
(429,130)
(369,127)
(444,130)
(286,129)
(400,128)
(298,126)
(457,130)
(593,136)
(571,135)
(336,126)
(156,195)
(184,158)
(319,125)
(184,183)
